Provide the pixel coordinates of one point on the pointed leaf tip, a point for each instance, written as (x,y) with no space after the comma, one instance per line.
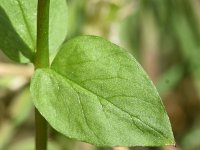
(97,93)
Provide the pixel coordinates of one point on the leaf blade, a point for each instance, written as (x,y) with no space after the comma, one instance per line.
(114,109)
(19,27)
(11,43)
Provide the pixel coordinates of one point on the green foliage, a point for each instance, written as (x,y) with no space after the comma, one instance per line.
(94,91)
(98,93)
(18,27)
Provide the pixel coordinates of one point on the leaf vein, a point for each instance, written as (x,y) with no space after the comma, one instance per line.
(135,117)
(144,124)
(27,25)
(85,118)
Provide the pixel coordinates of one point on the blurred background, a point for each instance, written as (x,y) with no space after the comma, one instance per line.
(163,35)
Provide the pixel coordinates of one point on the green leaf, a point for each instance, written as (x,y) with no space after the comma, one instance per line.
(18,27)
(13,33)
(58,25)
(98,93)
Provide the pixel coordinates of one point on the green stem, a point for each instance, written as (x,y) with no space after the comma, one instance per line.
(42,53)
(41,131)
(42,61)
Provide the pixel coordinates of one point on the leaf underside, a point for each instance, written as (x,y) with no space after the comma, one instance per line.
(18,19)
(97,93)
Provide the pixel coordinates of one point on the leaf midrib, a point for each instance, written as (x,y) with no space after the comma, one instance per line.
(93,93)
(26,24)
(83,112)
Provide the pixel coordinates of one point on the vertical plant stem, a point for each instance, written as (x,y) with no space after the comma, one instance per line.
(42,61)
(41,131)
(42,53)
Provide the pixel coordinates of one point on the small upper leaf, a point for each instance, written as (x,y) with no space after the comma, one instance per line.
(98,93)
(18,19)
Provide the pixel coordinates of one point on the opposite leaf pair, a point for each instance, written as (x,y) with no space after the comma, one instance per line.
(94,91)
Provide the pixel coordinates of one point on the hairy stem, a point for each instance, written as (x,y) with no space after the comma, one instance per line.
(42,61)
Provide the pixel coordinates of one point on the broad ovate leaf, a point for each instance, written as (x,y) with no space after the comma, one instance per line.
(18,20)
(98,93)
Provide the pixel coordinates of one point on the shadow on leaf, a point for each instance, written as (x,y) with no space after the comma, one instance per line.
(11,43)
